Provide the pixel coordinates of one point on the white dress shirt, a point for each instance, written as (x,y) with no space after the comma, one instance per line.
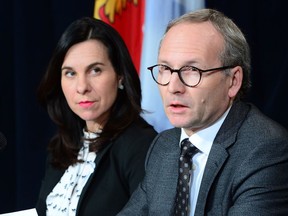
(203,140)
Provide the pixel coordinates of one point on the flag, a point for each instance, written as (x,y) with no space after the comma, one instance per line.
(157,15)
(127,17)
(142,23)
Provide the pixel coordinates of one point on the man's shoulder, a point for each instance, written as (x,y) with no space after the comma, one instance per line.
(258,121)
(171,133)
(253,124)
(166,139)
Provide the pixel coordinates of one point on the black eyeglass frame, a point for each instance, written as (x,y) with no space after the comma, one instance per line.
(178,71)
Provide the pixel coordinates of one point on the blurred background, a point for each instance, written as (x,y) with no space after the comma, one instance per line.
(29,32)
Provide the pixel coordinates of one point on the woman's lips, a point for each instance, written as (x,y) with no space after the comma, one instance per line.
(86,104)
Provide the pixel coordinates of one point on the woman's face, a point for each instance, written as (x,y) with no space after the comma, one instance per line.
(89,82)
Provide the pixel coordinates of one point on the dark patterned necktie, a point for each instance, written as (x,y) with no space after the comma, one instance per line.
(182,201)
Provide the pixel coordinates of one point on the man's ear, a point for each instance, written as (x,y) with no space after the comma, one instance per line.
(236,81)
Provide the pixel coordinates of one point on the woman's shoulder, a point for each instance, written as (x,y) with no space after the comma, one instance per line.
(140,127)
(136,135)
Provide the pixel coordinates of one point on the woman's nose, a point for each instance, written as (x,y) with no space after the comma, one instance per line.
(82,85)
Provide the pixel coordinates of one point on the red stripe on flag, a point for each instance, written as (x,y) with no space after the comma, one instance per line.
(127,18)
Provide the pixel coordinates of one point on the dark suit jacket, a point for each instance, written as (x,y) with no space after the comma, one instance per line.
(119,169)
(246,172)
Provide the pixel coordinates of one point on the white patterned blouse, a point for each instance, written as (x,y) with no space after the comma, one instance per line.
(63,199)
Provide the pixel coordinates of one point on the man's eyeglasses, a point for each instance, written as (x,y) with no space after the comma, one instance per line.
(189,75)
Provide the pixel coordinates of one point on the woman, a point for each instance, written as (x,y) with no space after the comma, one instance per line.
(92,92)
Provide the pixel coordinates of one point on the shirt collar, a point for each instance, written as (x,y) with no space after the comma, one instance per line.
(203,139)
(89,135)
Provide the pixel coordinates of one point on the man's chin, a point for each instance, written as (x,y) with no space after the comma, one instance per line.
(176,122)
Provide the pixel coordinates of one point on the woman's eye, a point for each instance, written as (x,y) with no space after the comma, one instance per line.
(69,73)
(95,70)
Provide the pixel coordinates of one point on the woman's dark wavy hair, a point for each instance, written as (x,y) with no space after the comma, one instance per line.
(64,146)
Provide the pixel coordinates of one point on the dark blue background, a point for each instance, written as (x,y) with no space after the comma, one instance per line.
(29,32)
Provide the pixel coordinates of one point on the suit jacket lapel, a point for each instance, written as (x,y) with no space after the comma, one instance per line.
(164,165)
(172,165)
(98,158)
(219,154)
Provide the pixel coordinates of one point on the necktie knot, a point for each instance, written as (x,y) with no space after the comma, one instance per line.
(187,148)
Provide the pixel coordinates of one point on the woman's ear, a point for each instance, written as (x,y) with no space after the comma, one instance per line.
(120,84)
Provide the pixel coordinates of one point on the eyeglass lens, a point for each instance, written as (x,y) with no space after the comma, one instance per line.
(188,74)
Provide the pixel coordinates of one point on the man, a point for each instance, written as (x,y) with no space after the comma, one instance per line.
(241,164)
